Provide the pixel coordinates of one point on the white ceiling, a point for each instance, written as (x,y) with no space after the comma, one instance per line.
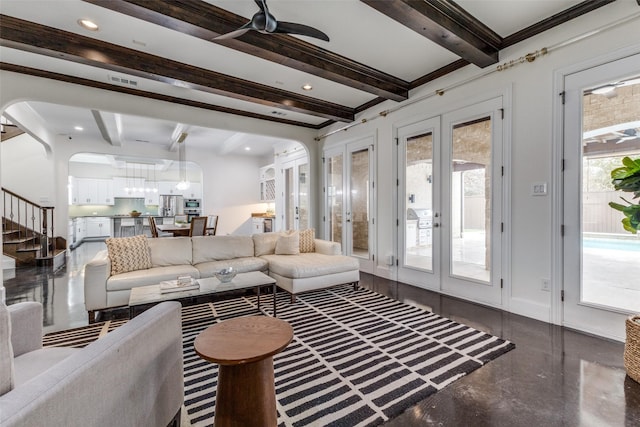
(357,31)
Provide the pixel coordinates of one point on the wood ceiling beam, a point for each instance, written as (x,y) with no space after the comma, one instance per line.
(555,20)
(206,21)
(35,38)
(151,95)
(447,24)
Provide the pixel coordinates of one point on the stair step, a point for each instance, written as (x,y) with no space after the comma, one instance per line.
(29,249)
(18,241)
(7,232)
(57,260)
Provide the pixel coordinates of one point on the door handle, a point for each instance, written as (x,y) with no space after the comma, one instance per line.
(436,225)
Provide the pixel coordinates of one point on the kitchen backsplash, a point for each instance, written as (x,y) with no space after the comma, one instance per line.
(121,206)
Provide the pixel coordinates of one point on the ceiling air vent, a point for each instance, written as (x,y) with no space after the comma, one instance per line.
(122,80)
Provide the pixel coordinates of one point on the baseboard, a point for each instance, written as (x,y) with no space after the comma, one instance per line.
(530,309)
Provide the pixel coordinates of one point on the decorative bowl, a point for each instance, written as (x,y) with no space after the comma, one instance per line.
(135,214)
(226,274)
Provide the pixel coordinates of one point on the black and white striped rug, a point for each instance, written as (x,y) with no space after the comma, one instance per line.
(357,358)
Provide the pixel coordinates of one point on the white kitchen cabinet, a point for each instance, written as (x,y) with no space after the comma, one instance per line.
(267,183)
(193,192)
(168,188)
(151,199)
(98,227)
(81,229)
(93,191)
(257,225)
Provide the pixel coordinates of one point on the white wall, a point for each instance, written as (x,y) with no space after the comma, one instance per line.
(27,170)
(530,87)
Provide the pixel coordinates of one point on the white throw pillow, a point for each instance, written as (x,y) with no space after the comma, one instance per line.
(288,243)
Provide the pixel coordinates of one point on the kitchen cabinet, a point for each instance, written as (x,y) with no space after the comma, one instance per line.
(81,229)
(98,227)
(151,199)
(193,192)
(267,183)
(168,188)
(91,191)
(257,225)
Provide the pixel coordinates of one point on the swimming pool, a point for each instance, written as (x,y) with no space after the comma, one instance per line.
(612,244)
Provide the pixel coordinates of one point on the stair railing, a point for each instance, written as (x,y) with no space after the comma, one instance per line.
(29,220)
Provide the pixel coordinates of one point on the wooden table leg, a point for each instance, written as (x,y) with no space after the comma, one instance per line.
(246,395)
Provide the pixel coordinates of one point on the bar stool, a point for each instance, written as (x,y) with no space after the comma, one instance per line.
(127,227)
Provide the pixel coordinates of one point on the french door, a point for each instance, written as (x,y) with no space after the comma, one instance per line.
(450,203)
(600,259)
(295,175)
(350,199)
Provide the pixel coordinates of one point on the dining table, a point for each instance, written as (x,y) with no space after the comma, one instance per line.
(176,229)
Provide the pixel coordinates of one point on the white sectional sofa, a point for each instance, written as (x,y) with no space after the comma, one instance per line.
(202,256)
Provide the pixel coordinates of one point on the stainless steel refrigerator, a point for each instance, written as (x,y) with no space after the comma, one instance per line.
(171,205)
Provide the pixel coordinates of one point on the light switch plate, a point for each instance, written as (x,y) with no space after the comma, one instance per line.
(539,189)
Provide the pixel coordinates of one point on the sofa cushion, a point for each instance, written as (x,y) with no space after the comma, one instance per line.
(32,364)
(168,251)
(128,254)
(215,248)
(265,243)
(307,240)
(153,276)
(310,265)
(241,265)
(288,243)
(6,351)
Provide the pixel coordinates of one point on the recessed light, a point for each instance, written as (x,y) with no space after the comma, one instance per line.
(78,128)
(88,24)
(247,148)
(307,86)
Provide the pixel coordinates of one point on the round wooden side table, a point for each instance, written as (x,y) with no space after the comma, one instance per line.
(244,349)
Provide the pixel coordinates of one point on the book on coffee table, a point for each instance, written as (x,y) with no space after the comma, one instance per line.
(174,286)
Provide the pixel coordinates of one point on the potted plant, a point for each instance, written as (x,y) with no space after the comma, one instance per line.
(627,178)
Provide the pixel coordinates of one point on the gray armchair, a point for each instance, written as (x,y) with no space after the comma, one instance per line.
(132,376)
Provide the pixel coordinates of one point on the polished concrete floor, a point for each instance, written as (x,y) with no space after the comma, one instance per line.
(554,377)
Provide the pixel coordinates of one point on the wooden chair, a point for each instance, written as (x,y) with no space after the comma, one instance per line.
(154,230)
(212,225)
(198,226)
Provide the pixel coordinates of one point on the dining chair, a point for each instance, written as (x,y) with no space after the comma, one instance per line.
(212,225)
(154,229)
(198,226)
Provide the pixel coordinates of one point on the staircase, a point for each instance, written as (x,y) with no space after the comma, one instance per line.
(28,233)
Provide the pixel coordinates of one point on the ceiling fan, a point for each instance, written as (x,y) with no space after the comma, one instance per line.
(266,23)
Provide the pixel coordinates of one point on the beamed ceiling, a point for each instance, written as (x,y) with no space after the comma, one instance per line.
(379,50)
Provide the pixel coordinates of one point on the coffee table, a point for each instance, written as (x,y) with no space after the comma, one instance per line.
(144,296)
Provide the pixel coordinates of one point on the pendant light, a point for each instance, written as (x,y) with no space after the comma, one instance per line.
(182,163)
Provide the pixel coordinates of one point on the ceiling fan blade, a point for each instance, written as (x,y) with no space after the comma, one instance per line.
(300,29)
(237,33)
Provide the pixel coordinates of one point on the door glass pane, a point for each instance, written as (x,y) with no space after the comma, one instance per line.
(289,199)
(359,215)
(335,197)
(303,196)
(419,202)
(610,131)
(470,216)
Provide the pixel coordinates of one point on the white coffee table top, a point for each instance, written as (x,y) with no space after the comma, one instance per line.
(210,285)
